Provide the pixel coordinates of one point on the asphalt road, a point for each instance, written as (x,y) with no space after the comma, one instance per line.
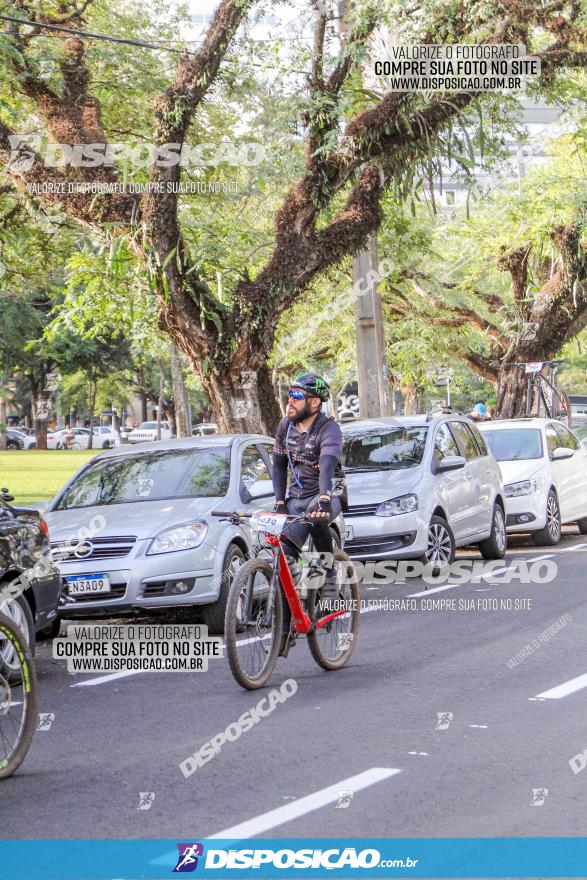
(371,729)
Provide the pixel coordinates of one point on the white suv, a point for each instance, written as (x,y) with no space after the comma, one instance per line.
(544,468)
(147,432)
(420,486)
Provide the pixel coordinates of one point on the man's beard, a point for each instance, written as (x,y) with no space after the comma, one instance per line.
(304,414)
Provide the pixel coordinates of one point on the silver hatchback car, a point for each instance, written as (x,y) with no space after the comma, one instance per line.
(160,545)
(419,487)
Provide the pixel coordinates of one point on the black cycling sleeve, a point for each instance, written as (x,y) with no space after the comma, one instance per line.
(279,475)
(327,467)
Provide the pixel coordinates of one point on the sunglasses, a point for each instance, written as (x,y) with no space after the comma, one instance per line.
(296,394)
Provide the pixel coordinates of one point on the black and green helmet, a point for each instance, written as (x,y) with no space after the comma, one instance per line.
(315,385)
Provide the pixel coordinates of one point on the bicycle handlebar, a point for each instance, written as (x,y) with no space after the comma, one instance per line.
(544,363)
(242,514)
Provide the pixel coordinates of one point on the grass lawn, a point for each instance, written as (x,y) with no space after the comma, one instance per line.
(36,475)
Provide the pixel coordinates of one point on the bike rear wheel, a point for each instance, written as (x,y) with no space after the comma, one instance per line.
(332,645)
(18,703)
(252,640)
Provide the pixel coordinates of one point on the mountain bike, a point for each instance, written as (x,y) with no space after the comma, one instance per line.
(543,395)
(254,611)
(18,701)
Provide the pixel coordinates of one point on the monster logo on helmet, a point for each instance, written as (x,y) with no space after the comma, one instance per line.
(315,385)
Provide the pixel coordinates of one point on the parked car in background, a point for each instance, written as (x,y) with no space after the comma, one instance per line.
(17,439)
(104,438)
(147,432)
(544,468)
(578,409)
(23,540)
(581,433)
(204,429)
(125,430)
(419,487)
(161,547)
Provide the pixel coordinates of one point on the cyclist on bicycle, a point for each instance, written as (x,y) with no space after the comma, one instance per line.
(69,437)
(309,444)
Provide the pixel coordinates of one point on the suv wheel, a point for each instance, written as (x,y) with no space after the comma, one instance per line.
(213,615)
(495,545)
(18,610)
(441,544)
(551,533)
(12,444)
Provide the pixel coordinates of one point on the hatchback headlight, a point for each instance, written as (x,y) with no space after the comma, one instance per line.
(401,504)
(184,537)
(524,487)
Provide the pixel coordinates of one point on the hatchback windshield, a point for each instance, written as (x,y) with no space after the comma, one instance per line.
(515,444)
(384,449)
(151,476)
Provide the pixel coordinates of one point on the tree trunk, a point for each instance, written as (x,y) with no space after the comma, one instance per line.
(170,413)
(511,392)
(160,400)
(93,394)
(538,345)
(3,407)
(183,422)
(41,423)
(243,401)
(143,400)
(410,399)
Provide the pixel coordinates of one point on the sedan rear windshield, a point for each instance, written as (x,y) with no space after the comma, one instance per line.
(515,444)
(387,449)
(150,476)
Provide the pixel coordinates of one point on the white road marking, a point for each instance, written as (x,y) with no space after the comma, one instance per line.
(564,689)
(417,753)
(303,805)
(433,590)
(512,565)
(484,726)
(295,809)
(573,547)
(102,679)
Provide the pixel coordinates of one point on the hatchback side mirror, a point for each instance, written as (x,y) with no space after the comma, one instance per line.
(451,463)
(562,452)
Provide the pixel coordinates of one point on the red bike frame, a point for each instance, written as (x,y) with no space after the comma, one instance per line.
(301,621)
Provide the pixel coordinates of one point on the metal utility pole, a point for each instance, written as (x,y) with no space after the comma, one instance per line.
(372,375)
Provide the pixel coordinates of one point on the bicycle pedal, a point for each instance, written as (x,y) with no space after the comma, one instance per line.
(288,644)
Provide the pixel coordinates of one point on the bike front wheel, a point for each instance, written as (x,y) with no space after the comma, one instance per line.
(332,645)
(252,630)
(18,702)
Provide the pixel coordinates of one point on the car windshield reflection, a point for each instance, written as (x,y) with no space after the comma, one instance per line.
(514,444)
(396,448)
(150,476)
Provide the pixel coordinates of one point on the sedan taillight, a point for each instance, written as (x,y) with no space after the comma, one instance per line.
(44,527)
